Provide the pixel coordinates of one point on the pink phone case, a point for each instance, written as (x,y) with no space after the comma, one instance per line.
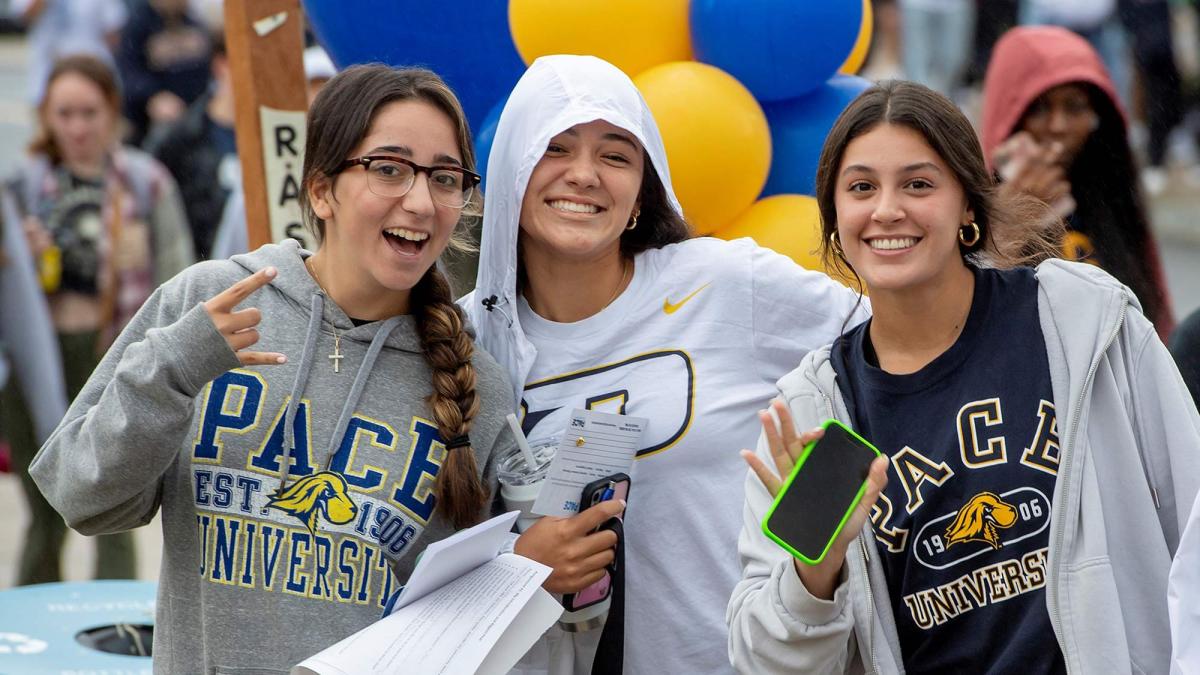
(598,591)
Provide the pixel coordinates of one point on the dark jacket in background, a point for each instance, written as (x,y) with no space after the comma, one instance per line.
(160,54)
(186,149)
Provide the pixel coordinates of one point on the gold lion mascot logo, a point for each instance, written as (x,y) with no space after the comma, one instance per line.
(320,494)
(981,520)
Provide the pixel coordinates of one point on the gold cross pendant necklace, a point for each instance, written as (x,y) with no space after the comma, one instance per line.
(337,356)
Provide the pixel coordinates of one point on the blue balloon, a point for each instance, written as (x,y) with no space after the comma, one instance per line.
(798,130)
(779,49)
(487,134)
(471,49)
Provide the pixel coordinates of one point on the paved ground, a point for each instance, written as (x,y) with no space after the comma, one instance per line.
(1175,217)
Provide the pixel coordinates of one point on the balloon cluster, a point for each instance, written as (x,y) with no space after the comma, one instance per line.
(744,91)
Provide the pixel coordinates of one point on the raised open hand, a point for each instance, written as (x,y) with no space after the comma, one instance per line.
(786,447)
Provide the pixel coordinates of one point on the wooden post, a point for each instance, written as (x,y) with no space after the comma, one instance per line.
(265,42)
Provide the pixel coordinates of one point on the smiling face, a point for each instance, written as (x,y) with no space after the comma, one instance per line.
(899,208)
(386,244)
(582,193)
(79,118)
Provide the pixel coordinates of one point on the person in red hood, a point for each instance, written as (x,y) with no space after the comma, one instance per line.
(1053,127)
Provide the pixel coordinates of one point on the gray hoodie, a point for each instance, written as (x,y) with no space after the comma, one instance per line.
(258,574)
(1128,474)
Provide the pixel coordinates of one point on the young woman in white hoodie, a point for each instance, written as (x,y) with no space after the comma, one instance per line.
(1040,446)
(591,295)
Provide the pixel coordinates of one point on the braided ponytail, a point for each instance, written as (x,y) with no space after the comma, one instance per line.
(448,348)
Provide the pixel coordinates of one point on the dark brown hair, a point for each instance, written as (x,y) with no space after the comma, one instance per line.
(94,70)
(1014,231)
(1109,206)
(340,117)
(658,223)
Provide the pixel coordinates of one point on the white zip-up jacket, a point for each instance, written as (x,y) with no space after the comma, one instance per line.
(1128,475)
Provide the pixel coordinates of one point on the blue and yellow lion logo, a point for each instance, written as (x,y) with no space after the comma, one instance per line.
(981,520)
(311,496)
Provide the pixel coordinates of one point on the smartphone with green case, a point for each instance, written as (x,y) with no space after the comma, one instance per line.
(823,489)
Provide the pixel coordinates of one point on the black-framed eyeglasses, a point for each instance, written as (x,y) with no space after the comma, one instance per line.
(392,177)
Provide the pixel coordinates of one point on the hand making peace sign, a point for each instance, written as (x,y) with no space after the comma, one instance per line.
(238,328)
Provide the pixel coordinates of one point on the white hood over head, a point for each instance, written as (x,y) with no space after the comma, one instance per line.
(555,94)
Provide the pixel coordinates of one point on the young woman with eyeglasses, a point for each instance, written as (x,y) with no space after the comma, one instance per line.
(298,483)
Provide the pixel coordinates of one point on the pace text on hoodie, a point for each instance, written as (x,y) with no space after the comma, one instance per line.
(694,344)
(1128,474)
(254,577)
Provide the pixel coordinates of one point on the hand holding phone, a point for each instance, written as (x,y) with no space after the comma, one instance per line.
(817,516)
(578,554)
(608,488)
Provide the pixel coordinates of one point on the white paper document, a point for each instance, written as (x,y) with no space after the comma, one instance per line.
(595,445)
(480,620)
(448,559)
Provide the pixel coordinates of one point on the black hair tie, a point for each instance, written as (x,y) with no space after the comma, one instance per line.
(463,441)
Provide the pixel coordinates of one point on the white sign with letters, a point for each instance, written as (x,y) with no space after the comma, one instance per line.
(283,160)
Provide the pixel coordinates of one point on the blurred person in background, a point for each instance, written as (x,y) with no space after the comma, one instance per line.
(318,70)
(200,151)
(105,225)
(1148,23)
(1053,127)
(992,19)
(164,61)
(56,28)
(936,38)
(1096,21)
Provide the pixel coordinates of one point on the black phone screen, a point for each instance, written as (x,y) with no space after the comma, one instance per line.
(811,508)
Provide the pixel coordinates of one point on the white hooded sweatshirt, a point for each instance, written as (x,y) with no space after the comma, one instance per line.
(695,344)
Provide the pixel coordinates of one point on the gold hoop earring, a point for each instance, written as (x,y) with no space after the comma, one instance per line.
(633,223)
(975,234)
(836,244)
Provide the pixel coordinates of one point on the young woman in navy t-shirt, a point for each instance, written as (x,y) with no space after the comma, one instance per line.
(1039,443)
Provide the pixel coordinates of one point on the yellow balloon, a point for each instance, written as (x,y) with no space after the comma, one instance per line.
(787,224)
(633,35)
(858,54)
(717,138)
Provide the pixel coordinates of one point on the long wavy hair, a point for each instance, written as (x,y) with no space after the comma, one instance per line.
(1109,207)
(340,117)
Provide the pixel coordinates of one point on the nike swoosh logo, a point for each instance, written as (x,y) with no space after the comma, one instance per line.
(669,308)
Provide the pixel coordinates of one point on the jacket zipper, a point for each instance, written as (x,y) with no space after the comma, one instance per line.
(1060,531)
(870,604)
(866,576)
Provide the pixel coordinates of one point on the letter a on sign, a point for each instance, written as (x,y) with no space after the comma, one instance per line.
(265,39)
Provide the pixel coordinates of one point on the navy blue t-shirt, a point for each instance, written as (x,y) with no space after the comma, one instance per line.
(963,526)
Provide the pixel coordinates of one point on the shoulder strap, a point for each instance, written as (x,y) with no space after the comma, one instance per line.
(610,654)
